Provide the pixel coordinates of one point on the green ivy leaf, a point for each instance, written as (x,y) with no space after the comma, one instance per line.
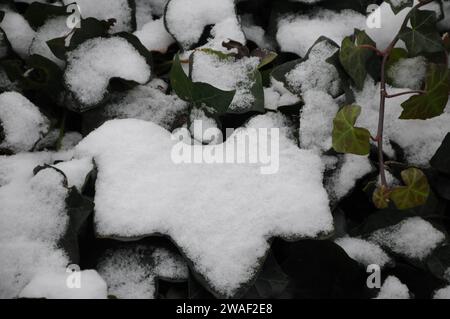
(218,54)
(421,36)
(346,137)
(200,94)
(90,28)
(416,191)
(354,58)
(380,197)
(398,6)
(433,102)
(441,160)
(38,13)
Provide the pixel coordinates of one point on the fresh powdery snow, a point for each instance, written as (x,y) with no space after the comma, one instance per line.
(351,169)
(277,95)
(443,293)
(147,102)
(409,73)
(92,64)
(419,139)
(297,34)
(22,122)
(76,171)
(33,220)
(141,191)
(132,273)
(316,73)
(414,237)
(186,19)
(363,251)
(393,288)
(316,121)
(227,74)
(18,32)
(154,36)
(57,285)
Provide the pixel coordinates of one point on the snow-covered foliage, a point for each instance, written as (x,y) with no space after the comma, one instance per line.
(224,148)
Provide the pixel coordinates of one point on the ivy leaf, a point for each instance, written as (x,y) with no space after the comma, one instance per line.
(421,36)
(433,102)
(416,191)
(398,6)
(37,13)
(346,137)
(380,197)
(266,57)
(90,28)
(354,58)
(441,160)
(200,94)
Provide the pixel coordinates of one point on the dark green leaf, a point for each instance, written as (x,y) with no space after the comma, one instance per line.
(433,102)
(421,35)
(354,58)
(200,94)
(37,13)
(416,191)
(346,137)
(441,160)
(439,262)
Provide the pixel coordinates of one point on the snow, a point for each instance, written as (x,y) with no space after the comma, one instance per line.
(55,285)
(315,73)
(419,139)
(227,74)
(33,220)
(119,10)
(154,36)
(132,273)
(363,251)
(351,169)
(186,19)
(277,95)
(393,288)
(147,102)
(148,193)
(413,237)
(92,64)
(23,124)
(297,34)
(76,171)
(21,259)
(52,29)
(18,31)
(443,293)
(409,73)
(316,121)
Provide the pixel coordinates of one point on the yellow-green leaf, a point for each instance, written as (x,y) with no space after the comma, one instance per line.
(346,137)
(380,197)
(414,193)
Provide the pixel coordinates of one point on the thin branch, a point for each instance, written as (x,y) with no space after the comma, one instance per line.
(389,96)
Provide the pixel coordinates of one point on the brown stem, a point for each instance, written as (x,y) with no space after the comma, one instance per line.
(389,96)
(383,95)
